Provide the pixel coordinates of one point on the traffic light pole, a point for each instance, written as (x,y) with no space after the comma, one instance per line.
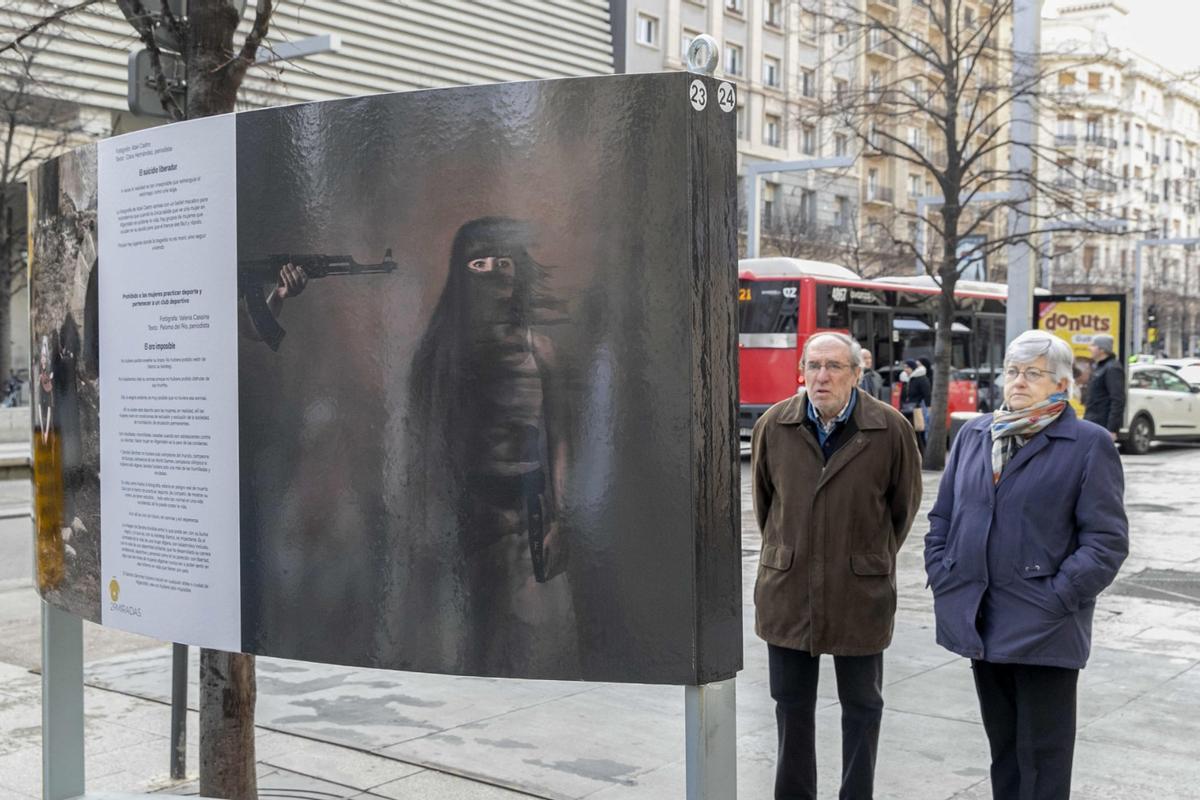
(1138,303)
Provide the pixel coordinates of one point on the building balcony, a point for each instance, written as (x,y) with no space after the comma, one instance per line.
(1065,183)
(880,195)
(883,48)
(1065,140)
(1104,185)
(1189,209)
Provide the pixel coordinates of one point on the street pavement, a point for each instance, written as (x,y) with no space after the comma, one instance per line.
(328,732)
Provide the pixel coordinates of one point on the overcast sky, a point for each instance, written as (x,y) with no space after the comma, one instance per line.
(1162,30)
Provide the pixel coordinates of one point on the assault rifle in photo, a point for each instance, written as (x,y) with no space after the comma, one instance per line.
(256,273)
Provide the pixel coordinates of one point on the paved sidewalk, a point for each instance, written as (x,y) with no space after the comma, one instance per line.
(335,732)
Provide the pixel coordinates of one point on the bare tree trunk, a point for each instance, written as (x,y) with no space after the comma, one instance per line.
(227,695)
(935,431)
(5,326)
(227,681)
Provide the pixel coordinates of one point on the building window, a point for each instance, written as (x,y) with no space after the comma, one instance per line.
(770,201)
(841,89)
(771,71)
(734,63)
(914,185)
(872,183)
(685,42)
(841,37)
(841,213)
(1066,80)
(736,6)
(741,122)
(840,145)
(774,15)
(1140,136)
(1093,81)
(875,87)
(808,140)
(808,83)
(808,209)
(916,140)
(773,131)
(647,30)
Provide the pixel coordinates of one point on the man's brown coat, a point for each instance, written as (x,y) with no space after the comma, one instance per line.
(830,531)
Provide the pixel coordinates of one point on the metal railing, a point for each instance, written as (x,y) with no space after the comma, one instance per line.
(880,194)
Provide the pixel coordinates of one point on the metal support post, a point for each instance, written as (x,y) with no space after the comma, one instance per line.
(710,718)
(179,687)
(1026,38)
(62,704)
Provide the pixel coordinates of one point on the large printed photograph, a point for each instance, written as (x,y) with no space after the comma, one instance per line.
(466,371)
(64,382)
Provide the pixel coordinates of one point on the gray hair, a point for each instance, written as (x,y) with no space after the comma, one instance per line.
(854,347)
(1032,345)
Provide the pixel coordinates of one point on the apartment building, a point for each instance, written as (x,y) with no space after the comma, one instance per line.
(1129,132)
(81,64)
(791,60)
(782,68)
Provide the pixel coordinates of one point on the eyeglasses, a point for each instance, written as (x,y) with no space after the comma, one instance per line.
(832,367)
(1032,374)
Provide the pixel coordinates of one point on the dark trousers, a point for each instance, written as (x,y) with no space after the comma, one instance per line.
(1029,715)
(794,676)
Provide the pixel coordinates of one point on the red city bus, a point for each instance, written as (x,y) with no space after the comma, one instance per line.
(784,301)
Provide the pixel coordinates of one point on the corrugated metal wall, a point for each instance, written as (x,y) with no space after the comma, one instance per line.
(387,45)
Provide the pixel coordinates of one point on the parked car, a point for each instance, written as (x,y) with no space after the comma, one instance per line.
(1187,368)
(1162,407)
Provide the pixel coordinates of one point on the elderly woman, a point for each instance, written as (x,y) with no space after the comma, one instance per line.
(1028,528)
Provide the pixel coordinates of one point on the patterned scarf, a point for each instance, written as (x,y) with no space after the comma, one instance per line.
(1011,429)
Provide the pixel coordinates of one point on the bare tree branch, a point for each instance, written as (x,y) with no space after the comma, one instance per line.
(51,19)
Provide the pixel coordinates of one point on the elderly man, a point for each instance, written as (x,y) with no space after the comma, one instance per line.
(1106,388)
(837,482)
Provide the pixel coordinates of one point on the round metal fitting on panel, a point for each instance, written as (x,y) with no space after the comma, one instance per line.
(703,55)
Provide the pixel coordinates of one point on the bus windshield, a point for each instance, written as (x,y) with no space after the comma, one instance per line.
(768,306)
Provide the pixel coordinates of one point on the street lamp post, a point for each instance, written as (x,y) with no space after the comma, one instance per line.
(1075,226)
(935,201)
(1026,43)
(755,171)
(1137,282)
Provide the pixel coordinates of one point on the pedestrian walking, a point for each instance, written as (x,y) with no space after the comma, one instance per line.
(871,381)
(837,481)
(1106,388)
(916,396)
(1028,528)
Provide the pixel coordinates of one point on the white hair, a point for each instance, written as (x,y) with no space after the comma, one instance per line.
(1032,345)
(854,347)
